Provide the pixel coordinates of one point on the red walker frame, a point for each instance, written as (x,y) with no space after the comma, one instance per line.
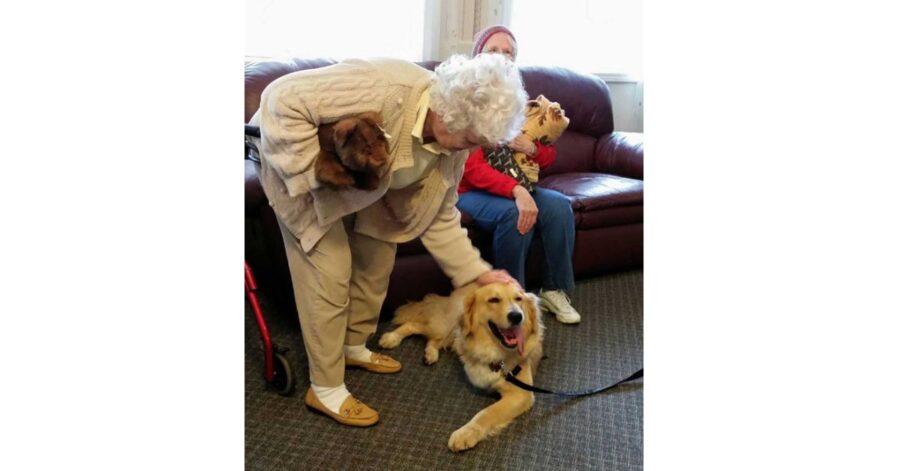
(277,370)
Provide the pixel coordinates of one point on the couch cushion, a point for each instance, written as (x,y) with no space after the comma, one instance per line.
(254,197)
(599,199)
(481,240)
(574,153)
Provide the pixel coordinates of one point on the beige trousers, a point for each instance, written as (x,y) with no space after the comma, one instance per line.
(339,287)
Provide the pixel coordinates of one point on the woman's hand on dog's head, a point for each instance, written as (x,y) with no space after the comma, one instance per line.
(496,276)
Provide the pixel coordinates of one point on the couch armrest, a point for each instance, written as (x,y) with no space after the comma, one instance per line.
(620,153)
(253,192)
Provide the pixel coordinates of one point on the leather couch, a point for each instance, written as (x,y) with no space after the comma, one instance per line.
(601,171)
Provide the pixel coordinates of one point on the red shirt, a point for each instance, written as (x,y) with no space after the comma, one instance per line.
(479,175)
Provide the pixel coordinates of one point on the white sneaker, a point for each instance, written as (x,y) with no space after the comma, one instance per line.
(558,303)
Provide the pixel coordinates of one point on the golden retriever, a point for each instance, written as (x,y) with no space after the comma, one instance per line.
(486,326)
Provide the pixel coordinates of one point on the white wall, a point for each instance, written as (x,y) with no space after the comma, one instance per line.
(627,96)
(448,29)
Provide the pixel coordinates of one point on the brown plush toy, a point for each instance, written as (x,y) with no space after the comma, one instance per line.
(353,152)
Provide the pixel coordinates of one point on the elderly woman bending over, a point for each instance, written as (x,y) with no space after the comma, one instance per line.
(341,243)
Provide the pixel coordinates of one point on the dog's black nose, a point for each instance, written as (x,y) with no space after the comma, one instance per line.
(515,318)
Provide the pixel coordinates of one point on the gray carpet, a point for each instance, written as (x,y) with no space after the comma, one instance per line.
(422,405)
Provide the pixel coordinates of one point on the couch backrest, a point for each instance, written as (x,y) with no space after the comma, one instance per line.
(259,74)
(585,99)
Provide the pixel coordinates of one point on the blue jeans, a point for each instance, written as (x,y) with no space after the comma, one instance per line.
(555,224)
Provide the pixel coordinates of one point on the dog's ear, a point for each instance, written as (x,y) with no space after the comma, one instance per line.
(530,305)
(377,122)
(468,317)
(326,137)
(343,132)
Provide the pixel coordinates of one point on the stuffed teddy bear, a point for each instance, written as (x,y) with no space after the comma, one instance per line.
(353,152)
(545,121)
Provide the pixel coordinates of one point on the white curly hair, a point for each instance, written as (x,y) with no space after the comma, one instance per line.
(483,94)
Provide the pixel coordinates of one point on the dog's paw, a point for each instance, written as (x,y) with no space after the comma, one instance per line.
(464,438)
(329,171)
(389,340)
(431,355)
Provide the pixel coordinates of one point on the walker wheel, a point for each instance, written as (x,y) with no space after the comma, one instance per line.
(283,382)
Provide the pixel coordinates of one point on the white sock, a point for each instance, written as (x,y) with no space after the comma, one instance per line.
(332,398)
(358,352)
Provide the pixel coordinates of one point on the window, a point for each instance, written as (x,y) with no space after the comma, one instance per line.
(336,29)
(593,36)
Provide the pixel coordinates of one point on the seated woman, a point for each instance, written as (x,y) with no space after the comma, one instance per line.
(499,204)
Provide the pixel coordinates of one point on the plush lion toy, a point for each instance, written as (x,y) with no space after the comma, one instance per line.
(545,121)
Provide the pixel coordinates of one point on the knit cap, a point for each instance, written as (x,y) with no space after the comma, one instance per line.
(482,37)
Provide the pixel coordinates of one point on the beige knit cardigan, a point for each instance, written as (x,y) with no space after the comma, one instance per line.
(291,109)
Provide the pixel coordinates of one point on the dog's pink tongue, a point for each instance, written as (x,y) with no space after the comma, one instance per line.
(520,342)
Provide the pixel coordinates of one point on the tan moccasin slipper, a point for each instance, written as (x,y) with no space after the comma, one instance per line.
(378,363)
(352,412)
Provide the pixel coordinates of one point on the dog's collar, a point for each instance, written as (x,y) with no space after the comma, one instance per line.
(500,366)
